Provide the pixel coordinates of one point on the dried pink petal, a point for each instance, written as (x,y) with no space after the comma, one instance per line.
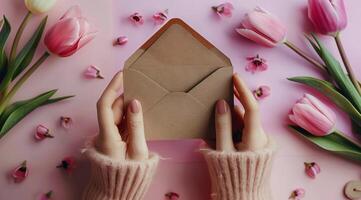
(312,169)
(262,92)
(224,9)
(256,64)
(136,18)
(20,172)
(66,122)
(121,40)
(93,72)
(68,164)
(297,194)
(160,17)
(42,132)
(172,196)
(47,196)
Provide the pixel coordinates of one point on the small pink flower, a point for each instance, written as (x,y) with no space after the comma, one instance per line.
(256,63)
(47,196)
(42,132)
(172,196)
(297,194)
(20,172)
(68,164)
(93,72)
(224,9)
(312,169)
(160,17)
(136,18)
(66,122)
(121,40)
(262,92)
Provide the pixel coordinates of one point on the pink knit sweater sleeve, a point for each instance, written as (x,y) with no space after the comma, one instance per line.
(241,175)
(118,180)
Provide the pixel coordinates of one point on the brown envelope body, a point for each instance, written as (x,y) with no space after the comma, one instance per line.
(178,76)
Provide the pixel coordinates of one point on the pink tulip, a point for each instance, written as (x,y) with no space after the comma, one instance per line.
(256,63)
(69,34)
(20,172)
(328,16)
(262,92)
(312,169)
(224,9)
(263,28)
(312,115)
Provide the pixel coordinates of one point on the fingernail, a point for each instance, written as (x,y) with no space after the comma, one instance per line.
(134,106)
(221,107)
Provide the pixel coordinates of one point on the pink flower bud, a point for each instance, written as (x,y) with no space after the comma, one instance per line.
(136,18)
(262,92)
(121,40)
(42,132)
(47,196)
(328,16)
(297,194)
(172,196)
(263,28)
(256,63)
(93,72)
(68,164)
(66,122)
(160,17)
(224,9)
(312,169)
(69,34)
(312,115)
(20,172)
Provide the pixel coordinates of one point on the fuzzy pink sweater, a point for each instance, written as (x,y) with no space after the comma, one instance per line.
(235,176)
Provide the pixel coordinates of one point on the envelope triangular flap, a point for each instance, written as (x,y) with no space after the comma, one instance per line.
(178,51)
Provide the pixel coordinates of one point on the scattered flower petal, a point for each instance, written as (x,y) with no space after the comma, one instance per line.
(93,72)
(121,40)
(136,18)
(160,17)
(172,196)
(224,9)
(256,64)
(297,194)
(66,122)
(47,196)
(312,169)
(20,172)
(42,132)
(68,164)
(262,92)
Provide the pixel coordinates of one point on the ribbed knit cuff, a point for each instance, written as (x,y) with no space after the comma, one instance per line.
(118,180)
(241,175)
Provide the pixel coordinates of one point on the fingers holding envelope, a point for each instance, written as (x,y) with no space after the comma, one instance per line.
(110,110)
(253,136)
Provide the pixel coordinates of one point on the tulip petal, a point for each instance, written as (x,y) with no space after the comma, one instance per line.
(62,35)
(321,107)
(74,11)
(86,39)
(312,120)
(84,26)
(254,36)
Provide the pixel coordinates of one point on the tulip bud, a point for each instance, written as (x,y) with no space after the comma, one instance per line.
(39,6)
(328,16)
(312,115)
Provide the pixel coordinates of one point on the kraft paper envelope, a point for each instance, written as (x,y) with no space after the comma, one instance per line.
(178,76)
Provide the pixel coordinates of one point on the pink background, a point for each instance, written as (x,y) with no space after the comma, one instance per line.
(184,171)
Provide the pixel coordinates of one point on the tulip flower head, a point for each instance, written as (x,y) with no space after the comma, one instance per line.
(20,172)
(263,28)
(224,9)
(42,132)
(262,92)
(39,6)
(328,16)
(312,115)
(69,34)
(312,169)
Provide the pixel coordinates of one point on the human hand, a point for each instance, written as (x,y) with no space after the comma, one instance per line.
(114,116)
(253,136)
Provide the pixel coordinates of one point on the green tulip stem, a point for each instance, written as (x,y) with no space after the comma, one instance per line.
(18,35)
(346,62)
(338,132)
(4,102)
(304,55)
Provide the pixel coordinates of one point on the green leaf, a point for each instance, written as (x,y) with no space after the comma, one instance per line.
(4,34)
(26,55)
(335,70)
(334,142)
(330,91)
(54,100)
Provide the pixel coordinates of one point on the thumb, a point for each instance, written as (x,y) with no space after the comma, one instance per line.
(137,146)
